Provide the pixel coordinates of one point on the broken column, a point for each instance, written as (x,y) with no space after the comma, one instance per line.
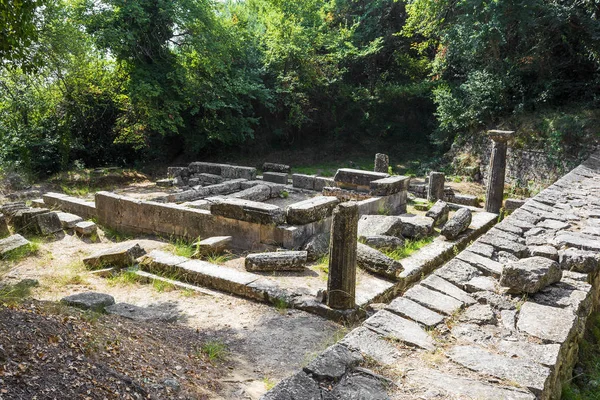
(341,283)
(495,184)
(382,163)
(435,190)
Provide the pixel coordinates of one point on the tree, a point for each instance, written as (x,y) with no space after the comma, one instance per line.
(18,31)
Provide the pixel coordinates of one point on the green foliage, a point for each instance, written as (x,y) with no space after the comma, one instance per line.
(586,385)
(19,31)
(409,248)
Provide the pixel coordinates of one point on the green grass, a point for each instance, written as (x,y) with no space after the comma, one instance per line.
(114,235)
(183,248)
(77,190)
(409,248)
(219,259)
(586,385)
(215,350)
(22,252)
(330,168)
(13,294)
(123,279)
(162,286)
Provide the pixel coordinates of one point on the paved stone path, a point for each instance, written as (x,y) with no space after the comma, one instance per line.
(458,335)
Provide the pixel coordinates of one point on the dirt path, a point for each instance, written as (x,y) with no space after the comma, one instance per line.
(263,344)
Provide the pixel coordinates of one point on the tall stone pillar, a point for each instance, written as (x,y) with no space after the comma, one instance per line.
(382,163)
(341,283)
(497,171)
(435,190)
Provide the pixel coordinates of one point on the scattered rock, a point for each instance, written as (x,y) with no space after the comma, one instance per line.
(530,275)
(333,363)
(12,243)
(439,212)
(121,256)
(459,222)
(89,301)
(298,387)
(416,227)
(317,246)
(480,314)
(359,386)
(68,221)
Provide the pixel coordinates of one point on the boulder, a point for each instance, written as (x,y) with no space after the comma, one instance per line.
(380,225)
(89,301)
(377,262)
(382,241)
(578,260)
(439,212)
(530,275)
(416,227)
(311,210)
(459,222)
(276,261)
(121,256)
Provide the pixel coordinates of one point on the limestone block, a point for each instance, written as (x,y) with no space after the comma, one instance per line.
(579,260)
(382,242)
(68,221)
(530,275)
(513,204)
(357,179)
(382,163)
(459,222)
(85,228)
(9,209)
(311,210)
(435,189)
(255,193)
(276,261)
(89,301)
(465,200)
(380,225)
(544,251)
(12,243)
(439,212)
(48,223)
(246,210)
(303,181)
(409,309)
(273,167)
(178,171)
(333,363)
(416,227)
(377,262)
(390,185)
(121,256)
(395,327)
(433,300)
(164,182)
(276,177)
(317,246)
(213,245)
(322,182)
(550,324)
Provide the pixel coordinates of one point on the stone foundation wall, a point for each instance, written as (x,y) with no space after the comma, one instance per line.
(458,334)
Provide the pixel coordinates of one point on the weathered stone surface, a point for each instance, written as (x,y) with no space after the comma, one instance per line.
(373,345)
(382,163)
(213,245)
(165,182)
(545,354)
(480,314)
(394,327)
(24,221)
(524,372)
(547,323)
(121,256)
(12,243)
(497,171)
(67,220)
(238,172)
(341,282)
(178,171)
(544,251)
(303,181)
(501,243)
(459,222)
(276,177)
(85,228)
(484,264)
(4,231)
(513,204)
(377,262)
(206,179)
(317,246)
(579,260)
(382,241)
(416,227)
(439,212)
(247,210)
(89,301)
(465,200)
(274,167)
(457,272)
(433,300)
(582,242)
(380,225)
(480,283)
(311,210)
(276,261)
(10,209)
(573,294)
(359,386)
(409,309)
(554,225)
(136,313)
(48,223)
(297,387)
(333,363)
(530,275)
(255,193)
(497,301)
(321,182)
(457,387)
(482,249)
(435,189)
(390,185)
(441,285)
(356,179)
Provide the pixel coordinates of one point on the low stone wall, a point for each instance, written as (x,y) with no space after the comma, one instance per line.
(74,205)
(457,334)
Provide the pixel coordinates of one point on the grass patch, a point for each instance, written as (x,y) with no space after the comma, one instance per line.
(219,259)
(162,286)
(585,384)
(13,294)
(114,235)
(123,279)
(281,305)
(330,168)
(215,350)
(17,254)
(269,383)
(409,248)
(183,248)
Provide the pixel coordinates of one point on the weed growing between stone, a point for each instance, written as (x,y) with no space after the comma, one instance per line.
(22,252)
(215,350)
(585,384)
(183,248)
(410,247)
(123,279)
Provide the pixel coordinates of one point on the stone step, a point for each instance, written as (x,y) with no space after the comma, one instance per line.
(148,277)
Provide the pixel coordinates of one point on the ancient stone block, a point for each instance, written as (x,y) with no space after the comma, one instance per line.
(321,182)
(317,246)
(459,222)
(48,223)
(24,220)
(513,204)
(205,167)
(409,309)
(360,385)
(346,194)
(484,264)
(276,261)
(341,283)
(479,314)
(382,163)
(435,189)
(85,228)
(246,210)
(495,185)
(441,285)
(121,256)
(530,275)
(11,243)
(356,179)
(255,193)
(333,363)
(68,221)
(416,227)
(372,345)
(390,185)
(386,225)
(310,210)
(89,301)
(433,300)
(273,167)
(503,244)
(377,262)
(298,387)
(547,323)
(303,181)
(207,179)
(465,200)
(382,242)
(164,182)
(213,245)
(439,212)
(9,209)
(238,172)
(395,327)
(544,251)
(178,171)
(276,177)
(579,260)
